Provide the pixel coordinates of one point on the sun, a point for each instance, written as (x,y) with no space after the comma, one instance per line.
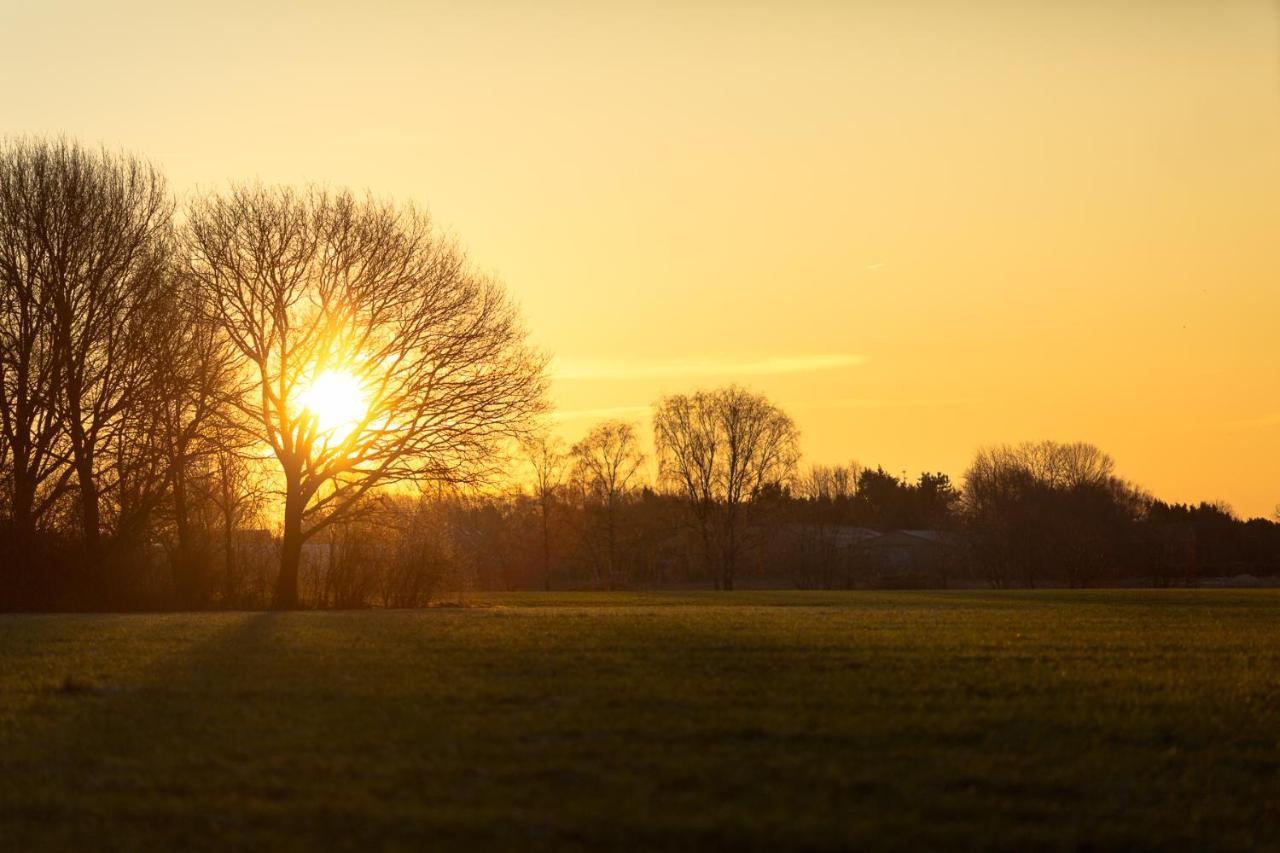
(337,401)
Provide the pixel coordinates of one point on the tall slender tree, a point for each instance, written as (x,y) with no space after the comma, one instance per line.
(548,461)
(606,465)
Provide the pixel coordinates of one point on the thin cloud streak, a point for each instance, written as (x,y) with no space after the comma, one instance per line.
(575,369)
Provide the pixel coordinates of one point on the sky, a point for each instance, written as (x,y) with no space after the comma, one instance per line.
(919,227)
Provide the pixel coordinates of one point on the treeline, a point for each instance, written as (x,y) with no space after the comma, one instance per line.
(1038,514)
(1029,515)
(273,397)
(176,379)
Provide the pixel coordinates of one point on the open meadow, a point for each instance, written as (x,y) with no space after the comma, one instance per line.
(1012,720)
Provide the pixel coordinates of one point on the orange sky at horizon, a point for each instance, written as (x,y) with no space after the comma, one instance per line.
(919,226)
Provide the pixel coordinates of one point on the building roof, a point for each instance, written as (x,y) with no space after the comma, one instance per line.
(913,537)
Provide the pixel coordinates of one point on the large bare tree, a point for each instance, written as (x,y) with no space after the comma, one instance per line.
(719,449)
(314,287)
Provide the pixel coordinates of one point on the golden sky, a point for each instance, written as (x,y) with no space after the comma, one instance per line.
(918,226)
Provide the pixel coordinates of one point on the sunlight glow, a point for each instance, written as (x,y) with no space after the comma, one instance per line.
(336,400)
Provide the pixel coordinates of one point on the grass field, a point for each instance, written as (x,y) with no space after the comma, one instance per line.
(1012,720)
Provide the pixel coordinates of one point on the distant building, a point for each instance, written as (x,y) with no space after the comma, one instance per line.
(910,557)
(317,555)
(846,536)
(253,543)
(838,556)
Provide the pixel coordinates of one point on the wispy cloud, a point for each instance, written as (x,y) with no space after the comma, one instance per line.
(1260,422)
(680,368)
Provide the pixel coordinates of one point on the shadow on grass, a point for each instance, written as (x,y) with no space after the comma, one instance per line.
(98,749)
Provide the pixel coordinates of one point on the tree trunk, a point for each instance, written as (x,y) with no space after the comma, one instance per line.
(708,550)
(184,574)
(546,550)
(95,568)
(612,549)
(18,575)
(228,563)
(22,515)
(731,551)
(90,519)
(82,453)
(286,596)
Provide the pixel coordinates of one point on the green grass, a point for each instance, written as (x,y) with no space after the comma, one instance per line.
(1012,720)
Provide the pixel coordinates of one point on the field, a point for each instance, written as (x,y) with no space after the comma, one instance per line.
(1011,720)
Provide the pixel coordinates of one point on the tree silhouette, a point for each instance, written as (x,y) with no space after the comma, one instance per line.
(548,461)
(720,449)
(1048,510)
(85,244)
(314,282)
(606,463)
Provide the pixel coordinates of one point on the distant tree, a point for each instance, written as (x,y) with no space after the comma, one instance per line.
(315,285)
(1214,541)
(719,449)
(881,500)
(1048,510)
(549,462)
(935,501)
(1060,465)
(829,483)
(813,550)
(606,467)
(421,563)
